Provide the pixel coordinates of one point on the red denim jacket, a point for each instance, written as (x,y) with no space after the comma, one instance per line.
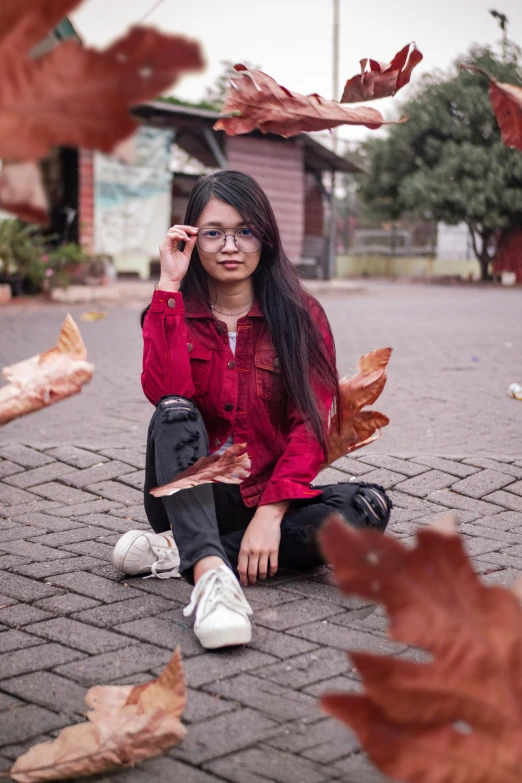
(187,353)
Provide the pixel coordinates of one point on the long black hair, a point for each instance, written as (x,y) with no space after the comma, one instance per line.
(283,301)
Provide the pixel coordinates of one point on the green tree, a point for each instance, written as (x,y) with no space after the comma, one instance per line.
(448,161)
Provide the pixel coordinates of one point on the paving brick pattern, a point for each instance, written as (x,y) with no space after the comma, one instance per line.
(70,484)
(69,621)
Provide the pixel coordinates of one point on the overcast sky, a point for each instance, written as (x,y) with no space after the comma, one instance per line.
(292,39)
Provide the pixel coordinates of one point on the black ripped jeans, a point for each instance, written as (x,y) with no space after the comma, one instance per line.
(211,519)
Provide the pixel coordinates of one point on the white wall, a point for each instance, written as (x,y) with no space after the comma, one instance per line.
(454,243)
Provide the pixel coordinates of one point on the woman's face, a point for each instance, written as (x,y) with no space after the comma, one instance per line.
(228,264)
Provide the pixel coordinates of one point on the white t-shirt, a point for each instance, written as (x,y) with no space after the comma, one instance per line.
(232,339)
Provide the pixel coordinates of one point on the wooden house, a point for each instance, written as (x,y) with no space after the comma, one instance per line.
(291,171)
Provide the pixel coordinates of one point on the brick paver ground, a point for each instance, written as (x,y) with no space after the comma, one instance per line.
(70,480)
(456,351)
(68,620)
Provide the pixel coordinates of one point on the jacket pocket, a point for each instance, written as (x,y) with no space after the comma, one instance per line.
(200,365)
(269,380)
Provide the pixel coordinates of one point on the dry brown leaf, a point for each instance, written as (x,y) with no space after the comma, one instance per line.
(92,315)
(359,428)
(255,100)
(506,101)
(40,17)
(231,467)
(516,588)
(47,377)
(76,96)
(167,692)
(22,191)
(121,730)
(447,525)
(456,718)
(380,80)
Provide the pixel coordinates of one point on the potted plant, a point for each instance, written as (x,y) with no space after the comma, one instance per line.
(66,263)
(21,251)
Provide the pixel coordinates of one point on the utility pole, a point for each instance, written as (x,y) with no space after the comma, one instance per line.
(503,22)
(329,268)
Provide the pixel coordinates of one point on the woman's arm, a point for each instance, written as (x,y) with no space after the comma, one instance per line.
(166,363)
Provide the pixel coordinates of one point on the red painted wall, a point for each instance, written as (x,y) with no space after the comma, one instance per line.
(508,257)
(86,200)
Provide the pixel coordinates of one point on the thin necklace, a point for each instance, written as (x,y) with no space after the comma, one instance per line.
(245,310)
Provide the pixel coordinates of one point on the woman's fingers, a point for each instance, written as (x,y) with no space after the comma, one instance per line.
(274,562)
(263,566)
(178,235)
(253,565)
(190,229)
(185,231)
(242,568)
(189,247)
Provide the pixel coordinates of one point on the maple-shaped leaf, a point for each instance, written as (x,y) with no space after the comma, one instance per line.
(506,101)
(380,80)
(255,100)
(22,191)
(127,725)
(39,17)
(231,467)
(46,378)
(76,96)
(458,717)
(359,428)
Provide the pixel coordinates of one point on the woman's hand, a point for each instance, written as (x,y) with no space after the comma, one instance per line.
(175,262)
(259,553)
(259,550)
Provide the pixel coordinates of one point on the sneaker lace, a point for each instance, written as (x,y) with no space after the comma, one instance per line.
(166,566)
(219,587)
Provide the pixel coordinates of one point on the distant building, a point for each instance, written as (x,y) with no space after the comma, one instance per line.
(454,243)
(124,210)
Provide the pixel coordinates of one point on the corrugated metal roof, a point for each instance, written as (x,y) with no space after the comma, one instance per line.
(317,156)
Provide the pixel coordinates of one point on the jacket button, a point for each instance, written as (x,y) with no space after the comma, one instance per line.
(229,406)
(216,442)
(277,363)
(171,303)
(231,365)
(189,347)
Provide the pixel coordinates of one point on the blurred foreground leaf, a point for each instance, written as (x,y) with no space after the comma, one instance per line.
(457,718)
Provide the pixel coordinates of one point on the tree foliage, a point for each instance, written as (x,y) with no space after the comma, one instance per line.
(448,161)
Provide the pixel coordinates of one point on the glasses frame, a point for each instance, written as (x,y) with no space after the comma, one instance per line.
(233,235)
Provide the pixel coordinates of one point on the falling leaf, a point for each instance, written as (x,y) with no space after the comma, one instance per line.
(127,725)
(516,589)
(47,377)
(22,191)
(458,717)
(506,100)
(231,467)
(447,525)
(76,96)
(380,80)
(360,427)
(92,315)
(255,100)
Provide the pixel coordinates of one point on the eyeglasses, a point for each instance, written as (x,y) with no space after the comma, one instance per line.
(213,240)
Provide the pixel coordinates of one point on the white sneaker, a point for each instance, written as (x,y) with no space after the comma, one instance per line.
(222,609)
(141,552)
